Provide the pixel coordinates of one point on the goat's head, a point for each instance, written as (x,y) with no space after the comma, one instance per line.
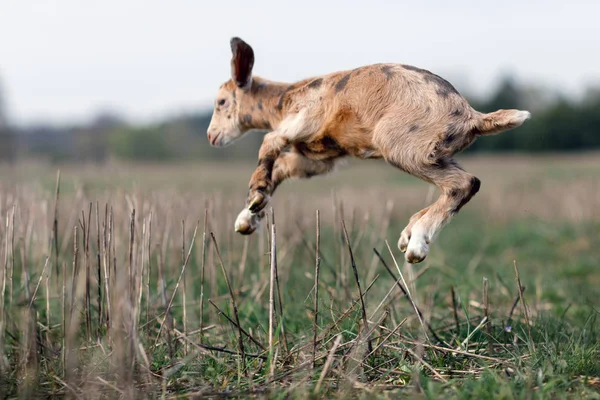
(225,125)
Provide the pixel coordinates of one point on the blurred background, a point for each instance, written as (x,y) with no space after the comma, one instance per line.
(134,81)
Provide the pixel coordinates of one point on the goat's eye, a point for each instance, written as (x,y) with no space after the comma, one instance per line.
(221,102)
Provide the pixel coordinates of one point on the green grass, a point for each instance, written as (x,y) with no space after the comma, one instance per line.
(552,352)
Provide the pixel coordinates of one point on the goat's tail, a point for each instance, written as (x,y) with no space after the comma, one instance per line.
(498,121)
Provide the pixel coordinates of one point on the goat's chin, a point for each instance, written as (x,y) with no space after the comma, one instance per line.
(227,142)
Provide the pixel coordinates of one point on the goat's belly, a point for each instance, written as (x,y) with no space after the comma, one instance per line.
(322,149)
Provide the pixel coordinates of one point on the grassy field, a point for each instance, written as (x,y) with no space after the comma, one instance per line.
(130,283)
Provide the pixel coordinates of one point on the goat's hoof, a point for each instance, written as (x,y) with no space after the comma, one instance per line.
(247,222)
(403,241)
(258,202)
(417,251)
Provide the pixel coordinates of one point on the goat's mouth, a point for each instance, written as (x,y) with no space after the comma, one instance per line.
(215,141)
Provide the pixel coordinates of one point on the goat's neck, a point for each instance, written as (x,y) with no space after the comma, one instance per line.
(260,107)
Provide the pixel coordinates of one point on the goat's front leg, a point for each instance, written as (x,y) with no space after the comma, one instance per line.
(290,164)
(261,185)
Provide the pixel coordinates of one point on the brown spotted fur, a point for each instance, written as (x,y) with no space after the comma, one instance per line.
(410,117)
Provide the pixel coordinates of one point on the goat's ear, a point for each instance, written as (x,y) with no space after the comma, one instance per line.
(242,62)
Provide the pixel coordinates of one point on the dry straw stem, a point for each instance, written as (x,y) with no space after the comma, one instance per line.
(272,282)
(317,266)
(405,293)
(55,224)
(99,272)
(184,292)
(486,305)
(3,361)
(328,362)
(281,324)
(362,301)
(187,259)
(455,310)
(523,305)
(233,304)
(408,293)
(232,322)
(202,273)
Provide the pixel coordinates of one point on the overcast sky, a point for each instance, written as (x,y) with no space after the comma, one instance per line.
(66,60)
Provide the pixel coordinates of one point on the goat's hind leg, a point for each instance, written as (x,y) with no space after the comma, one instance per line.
(407,231)
(457,187)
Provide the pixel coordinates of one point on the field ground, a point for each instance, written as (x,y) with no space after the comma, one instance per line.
(139,304)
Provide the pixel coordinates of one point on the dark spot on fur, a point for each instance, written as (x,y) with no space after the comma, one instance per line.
(247,119)
(440,163)
(465,195)
(444,162)
(260,106)
(456,113)
(413,128)
(416,69)
(233,94)
(316,83)
(444,88)
(282,97)
(342,83)
(453,131)
(387,70)
(475,131)
(331,144)
(258,87)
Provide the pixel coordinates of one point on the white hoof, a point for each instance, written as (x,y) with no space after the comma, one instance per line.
(404,240)
(417,250)
(247,222)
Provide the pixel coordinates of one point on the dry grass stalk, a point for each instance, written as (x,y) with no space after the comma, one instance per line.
(232,322)
(99,273)
(202,274)
(184,291)
(37,286)
(486,306)
(408,295)
(86,255)
(281,322)
(55,225)
(106,267)
(273,254)
(405,293)
(455,310)
(316,313)
(131,241)
(233,305)
(185,262)
(328,363)
(3,361)
(360,293)
(148,273)
(523,305)
(12,256)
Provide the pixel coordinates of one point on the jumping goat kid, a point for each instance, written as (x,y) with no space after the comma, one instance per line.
(413,119)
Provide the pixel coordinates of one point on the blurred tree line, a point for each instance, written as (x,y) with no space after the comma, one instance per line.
(558,124)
